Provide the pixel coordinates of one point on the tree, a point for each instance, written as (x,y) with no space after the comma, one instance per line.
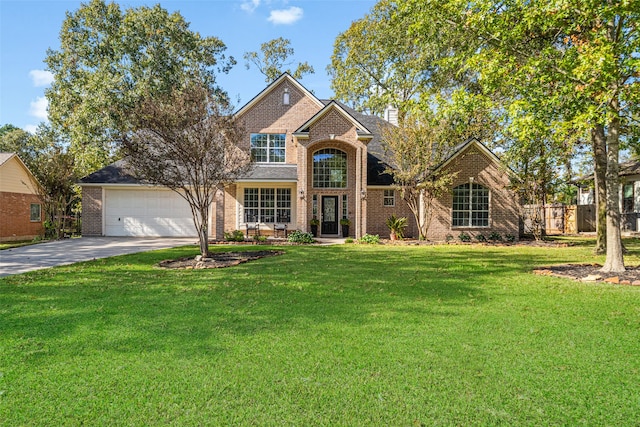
(575,58)
(109,59)
(272,60)
(187,141)
(416,148)
(374,64)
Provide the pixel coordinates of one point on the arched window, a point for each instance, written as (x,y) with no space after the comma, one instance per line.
(329,168)
(470,206)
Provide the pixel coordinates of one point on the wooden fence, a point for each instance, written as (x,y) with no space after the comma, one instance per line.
(559,219)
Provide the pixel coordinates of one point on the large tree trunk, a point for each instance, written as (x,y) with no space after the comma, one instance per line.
(614,262)
(599,143)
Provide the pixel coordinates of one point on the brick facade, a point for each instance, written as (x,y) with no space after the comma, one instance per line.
(311,125)
(474,164)
(15,214)
(92,211)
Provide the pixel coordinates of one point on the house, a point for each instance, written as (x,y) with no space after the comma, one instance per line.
(313,159)
(20,206)
(629,173)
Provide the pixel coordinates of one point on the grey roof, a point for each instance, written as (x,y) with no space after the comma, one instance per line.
(632,167)
(5,156)
(272,173)
(115,173)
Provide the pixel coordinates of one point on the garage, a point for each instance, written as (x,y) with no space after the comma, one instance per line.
(147,213)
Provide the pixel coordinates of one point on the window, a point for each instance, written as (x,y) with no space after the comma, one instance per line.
(330,168)
(627,198)
(267,205)
(345,211)
(268,148)
(470,206)
(36,213)
(389,198)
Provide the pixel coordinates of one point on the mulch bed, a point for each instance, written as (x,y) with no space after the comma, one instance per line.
(217,260)
(591,273)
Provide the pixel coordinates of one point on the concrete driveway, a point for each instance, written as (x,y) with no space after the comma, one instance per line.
(69,251)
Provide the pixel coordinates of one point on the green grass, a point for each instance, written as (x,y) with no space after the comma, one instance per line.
(343,335)
(17,244)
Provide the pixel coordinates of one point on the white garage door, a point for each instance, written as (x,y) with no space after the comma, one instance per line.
(147,213)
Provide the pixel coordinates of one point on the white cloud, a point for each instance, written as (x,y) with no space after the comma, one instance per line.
(39,108)
(250,5)
(30,128)
(286,16)
(41,77)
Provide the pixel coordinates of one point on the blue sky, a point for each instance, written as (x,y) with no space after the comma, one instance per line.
(29,27)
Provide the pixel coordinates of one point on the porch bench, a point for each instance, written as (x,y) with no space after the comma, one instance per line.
(279,228)
(253,226)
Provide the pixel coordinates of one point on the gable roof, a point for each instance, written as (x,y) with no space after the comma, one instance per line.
(115,173)
(457,150)
(284,76)
(4,157)
(363,132)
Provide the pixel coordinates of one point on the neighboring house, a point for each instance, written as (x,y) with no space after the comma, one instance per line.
(629,194)
(314,159)
(20,206)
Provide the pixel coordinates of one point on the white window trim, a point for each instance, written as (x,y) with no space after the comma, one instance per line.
(268,147)
(392,197)
(39,212)
(469,226)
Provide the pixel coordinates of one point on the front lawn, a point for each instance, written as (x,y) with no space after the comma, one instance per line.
(342,335)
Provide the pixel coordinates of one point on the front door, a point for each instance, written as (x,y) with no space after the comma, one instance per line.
(329,224)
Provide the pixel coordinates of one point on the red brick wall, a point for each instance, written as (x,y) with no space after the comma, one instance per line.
(503,204)
(92,211)
(270,115)
(472,163)
(377,214)
(15,214)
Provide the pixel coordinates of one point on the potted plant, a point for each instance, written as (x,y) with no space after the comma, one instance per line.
(396,226)
(345,223)
(314,223)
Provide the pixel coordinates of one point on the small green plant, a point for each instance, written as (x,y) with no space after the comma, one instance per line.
(396,226)
(481,238)
(345,221)
(449,238)
(510,238)
(495,237)
(234,236)
(464,237)
(260,239)
(369,239)
(298,236)
(348,240)
(314,221)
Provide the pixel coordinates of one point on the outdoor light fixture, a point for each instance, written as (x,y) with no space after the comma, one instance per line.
(301,194)
(363,194)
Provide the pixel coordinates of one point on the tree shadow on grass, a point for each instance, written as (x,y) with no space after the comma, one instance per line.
(124,304)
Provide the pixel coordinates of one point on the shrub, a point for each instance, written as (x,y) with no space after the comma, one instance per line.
(464,237)
(495,237)
(348,240)
(234,236)
(260,239)
(481,238)
(448,238)
(397,225)
(298,236)
(510,238)
(369,239)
